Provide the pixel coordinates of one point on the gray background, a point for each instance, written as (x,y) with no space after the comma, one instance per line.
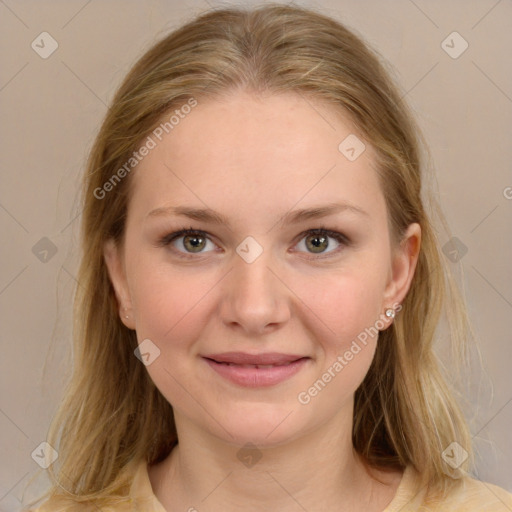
(51,109)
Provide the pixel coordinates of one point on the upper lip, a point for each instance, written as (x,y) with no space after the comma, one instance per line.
(245,358)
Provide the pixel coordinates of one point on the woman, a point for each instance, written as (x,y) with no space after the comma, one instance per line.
(260,287)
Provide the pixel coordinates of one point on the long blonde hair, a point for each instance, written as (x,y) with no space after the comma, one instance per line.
(113,415)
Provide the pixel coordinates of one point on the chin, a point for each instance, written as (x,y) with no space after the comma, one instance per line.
(264,425)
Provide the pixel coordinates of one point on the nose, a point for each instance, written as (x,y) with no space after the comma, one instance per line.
(255,300)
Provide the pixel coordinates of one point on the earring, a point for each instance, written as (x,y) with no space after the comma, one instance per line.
(126,316)
(390,313)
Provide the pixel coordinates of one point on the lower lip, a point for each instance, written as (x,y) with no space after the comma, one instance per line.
(257,377)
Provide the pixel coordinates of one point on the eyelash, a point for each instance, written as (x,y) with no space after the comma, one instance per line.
(339,237)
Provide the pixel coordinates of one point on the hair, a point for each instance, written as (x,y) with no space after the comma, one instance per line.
(112,416)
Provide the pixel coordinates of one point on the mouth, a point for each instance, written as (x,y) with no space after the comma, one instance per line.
(261,370)
(252,365)
(263,359)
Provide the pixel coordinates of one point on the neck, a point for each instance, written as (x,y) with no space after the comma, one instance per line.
(319,470)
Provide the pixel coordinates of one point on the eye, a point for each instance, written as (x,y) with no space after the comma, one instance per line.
(317,241)
(187,241)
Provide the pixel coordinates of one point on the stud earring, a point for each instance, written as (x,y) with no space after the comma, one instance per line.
(390,313)
(126,316)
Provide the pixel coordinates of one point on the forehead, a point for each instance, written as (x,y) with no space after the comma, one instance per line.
(256,154)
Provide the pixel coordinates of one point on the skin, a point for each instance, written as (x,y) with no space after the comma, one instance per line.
(282,155)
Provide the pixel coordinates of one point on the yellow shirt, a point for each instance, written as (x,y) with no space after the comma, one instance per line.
(473,496)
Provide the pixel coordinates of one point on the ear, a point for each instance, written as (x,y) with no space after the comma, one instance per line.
(403,265)
(116,271)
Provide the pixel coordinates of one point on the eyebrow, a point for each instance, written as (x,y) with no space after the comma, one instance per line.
(293,217)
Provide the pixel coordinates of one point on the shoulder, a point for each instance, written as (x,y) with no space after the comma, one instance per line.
(124,505)
(140,497)
(470,495)
(475,495)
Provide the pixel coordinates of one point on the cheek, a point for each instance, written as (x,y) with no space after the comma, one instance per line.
(169,309)
(173,306)
(166,304)
(329,311)
(343,304)
(346,325)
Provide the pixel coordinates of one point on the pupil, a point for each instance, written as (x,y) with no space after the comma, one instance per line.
(318,242)
(195,241)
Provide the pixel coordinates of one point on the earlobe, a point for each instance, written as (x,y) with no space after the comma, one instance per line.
(116,272)
(405,258)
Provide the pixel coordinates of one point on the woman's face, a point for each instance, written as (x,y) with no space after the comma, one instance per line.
(259,286)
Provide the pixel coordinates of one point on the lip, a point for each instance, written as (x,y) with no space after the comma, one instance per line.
(242,368)
(246,358)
